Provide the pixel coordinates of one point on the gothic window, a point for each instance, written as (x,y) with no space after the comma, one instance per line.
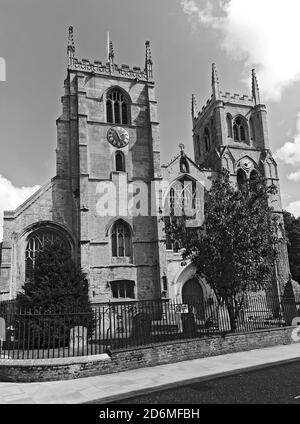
(117,107)
(239,130)
(121,240)
(36,243)
(182,202)
(229,125)
(122,289)
(252,133)
(206,139)
(120,162)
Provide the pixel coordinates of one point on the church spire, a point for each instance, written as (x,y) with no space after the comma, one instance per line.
(148,61)
(255,89)
(215,83)
(71,46)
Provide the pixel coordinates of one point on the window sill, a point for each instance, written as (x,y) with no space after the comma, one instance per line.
(121,261)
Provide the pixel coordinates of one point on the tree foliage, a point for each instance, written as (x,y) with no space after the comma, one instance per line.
(57,282)
(54,301)
(292,229)
(235,249)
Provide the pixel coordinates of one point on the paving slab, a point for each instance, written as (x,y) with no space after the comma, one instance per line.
(112,387)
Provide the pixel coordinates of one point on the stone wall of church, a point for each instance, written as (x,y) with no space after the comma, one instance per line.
(96,166)
(51,204)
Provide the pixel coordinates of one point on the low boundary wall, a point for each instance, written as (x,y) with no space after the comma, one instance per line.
(139,357)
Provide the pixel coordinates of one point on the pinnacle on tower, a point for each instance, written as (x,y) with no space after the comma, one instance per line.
(215,83)
(148,61)
(194,107)
(255,89)
(71,45)
(111,55)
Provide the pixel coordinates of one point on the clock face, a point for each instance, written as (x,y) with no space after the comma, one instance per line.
(118,137)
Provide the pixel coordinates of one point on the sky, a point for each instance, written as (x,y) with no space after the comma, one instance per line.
(186,36)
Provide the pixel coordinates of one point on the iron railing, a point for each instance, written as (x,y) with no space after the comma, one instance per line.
(34,333)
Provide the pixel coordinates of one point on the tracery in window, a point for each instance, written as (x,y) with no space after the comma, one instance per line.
(117,107)
(239,129)
(36,243)
(121,240)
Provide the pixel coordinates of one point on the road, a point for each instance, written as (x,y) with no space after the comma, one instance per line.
(276,385)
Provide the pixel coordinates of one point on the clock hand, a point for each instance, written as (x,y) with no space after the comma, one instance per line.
(117,132)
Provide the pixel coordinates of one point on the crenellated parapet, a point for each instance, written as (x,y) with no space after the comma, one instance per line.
(109,68)
(100,68)
(237,99)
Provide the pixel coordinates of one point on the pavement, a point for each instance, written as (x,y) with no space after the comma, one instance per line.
(114,387)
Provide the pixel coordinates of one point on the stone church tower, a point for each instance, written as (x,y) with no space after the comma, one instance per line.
(231,132)
(107,141)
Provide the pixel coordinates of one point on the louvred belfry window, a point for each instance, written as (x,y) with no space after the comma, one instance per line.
(117,107)
(239,130)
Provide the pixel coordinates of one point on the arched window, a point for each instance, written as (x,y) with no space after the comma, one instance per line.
(36,243)
(229,125)
(183,200)
(241,179)
(252,131)
(120,162)
(239,129)
(121,240)
(206,139)
(117,107)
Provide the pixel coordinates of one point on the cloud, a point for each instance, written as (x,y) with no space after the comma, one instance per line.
(294,176)
(290,151)
(11,197)
(294,208)
(263,35)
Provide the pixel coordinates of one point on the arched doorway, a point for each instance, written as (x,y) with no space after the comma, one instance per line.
(192,294)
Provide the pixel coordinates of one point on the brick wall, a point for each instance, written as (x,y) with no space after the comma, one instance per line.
(158,354)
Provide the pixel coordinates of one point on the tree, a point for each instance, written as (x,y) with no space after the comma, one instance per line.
(57,282)
(235,249)
(292,230)
(58,291)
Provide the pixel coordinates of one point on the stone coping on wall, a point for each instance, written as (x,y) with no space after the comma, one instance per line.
(54,361)
(203,339)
